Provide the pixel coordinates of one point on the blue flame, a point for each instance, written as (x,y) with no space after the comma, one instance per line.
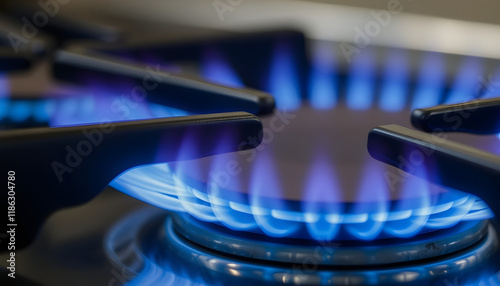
(322,219)
(214,67)
(85,109)
(460,209)
(67,110)
(44,110)
(4,86)
(265,180)
(100,104)
(323,83)
(4,105)
(158,185)
(371,208)
(153,184)
(418,209)
(395,82)
(20,110)
(430,81)
(161,111)
(372,216)
(465,86)
(490,85)
(360,86)
(228,212)
(195,201)
(90,108)
(485,279)
(493,280)
(283,78)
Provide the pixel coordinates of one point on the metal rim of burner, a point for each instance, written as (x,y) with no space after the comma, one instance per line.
(147,249)
(340,253)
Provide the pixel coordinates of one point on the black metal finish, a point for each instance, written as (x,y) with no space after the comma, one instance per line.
(23,38)
(478,116)
(64,28)
(441,161)
(249,54)
(10,61)
(61,167)
(168,89)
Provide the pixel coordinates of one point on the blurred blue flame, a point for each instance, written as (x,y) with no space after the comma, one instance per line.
(323,82)
(394,84)
(215,68)
(490,85)
(67,112)
(360,85)
(44,110)
(486,279)
(4,105)
(4,86)
(19,111)
(161,111)
(99,104)
(81,110)
(283,81)
(465,84)
(493,280)
(430,81)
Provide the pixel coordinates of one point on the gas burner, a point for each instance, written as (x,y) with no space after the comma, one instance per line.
(344,253)
(158,248)
(321,193)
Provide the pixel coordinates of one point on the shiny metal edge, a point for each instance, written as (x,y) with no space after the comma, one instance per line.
(330,253)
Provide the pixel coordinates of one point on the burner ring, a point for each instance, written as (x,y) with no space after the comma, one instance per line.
(148,251)
(342,253)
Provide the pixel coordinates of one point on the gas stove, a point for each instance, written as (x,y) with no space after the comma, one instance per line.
(198,194)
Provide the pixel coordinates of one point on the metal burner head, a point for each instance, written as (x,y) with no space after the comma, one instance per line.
(152,247)
(342,253)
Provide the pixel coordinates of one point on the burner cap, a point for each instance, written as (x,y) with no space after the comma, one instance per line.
(343,253)
(147,247)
